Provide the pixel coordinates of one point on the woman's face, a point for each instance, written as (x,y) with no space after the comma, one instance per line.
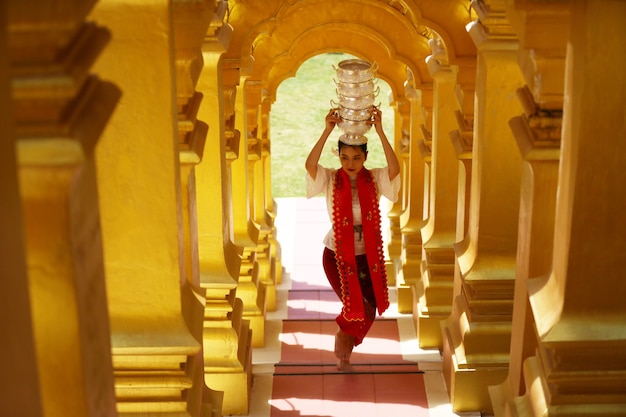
(352,159)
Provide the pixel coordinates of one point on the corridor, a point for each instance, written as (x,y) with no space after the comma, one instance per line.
(295,374)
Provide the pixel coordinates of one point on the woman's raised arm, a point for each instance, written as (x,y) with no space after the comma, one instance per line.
(332,118)
(393,165)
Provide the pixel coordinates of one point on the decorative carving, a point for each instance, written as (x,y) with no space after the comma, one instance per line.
(405,142)
(425,145)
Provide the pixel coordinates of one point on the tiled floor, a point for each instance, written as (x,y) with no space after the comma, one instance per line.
(295,373)
(306,379)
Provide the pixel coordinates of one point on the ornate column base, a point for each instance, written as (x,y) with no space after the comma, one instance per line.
(202,401)
(394,248)
(151,384)
(275,254)
(435,303)
(266,260)
(477,335)
(468,374)
(227,348)
(234,382)
(411,275)
(252,293)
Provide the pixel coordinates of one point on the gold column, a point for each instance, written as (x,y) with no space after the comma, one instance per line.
(538,138)
(227,336)
(578,306)
(411,219)
(59,111)
(246,229)
(139,184)
(425,143)
(438,233)
(543,37)
(259,155)
(393,259)
(271,209)
(463,140)
(191,21)
(19,378)
(477,334)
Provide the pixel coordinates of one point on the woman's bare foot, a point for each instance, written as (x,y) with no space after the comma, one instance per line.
(344,343)
(344,366)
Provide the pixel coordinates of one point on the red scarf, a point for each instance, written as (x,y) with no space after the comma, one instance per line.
(343,228)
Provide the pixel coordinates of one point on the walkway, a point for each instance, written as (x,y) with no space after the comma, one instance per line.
(295,374)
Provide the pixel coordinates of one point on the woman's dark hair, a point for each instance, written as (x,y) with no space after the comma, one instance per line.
(363,146)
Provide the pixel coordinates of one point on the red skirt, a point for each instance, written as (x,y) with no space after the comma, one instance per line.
(357,328)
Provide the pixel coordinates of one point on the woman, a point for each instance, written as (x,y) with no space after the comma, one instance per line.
(353,255)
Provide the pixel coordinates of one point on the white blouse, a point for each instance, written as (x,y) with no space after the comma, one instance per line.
(323,182)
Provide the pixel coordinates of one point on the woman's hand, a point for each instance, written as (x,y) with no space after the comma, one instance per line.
(332,118)
(390,155)
(377,119)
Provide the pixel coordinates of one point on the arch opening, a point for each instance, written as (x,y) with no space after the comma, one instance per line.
(297,121)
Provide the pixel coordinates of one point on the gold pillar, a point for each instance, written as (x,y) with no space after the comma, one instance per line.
(139,184)
(543,37)
(271,209)
(246,229)
(476,336)
(191,21)
(59,112)
(424,145)
(578,306)
(462,140)
(201,400)
(438,233)
(411,219)
(393,261)
(539,146)
(227,336)
(259,155)
(19,378)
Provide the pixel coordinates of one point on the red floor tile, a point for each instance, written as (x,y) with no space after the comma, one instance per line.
(313,304)
(343,395)
(400,409)
(305,386)
(310,276)
(397,383)
(348,387)
(311,341)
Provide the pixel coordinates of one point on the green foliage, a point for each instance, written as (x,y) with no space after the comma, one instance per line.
(297,121)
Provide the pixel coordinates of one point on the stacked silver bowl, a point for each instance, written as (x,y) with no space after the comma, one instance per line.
(356,91)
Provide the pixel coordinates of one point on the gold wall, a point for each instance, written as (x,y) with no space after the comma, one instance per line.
(139,252)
